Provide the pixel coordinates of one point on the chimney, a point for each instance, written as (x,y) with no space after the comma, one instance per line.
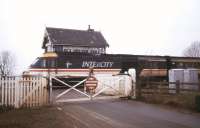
(89,29)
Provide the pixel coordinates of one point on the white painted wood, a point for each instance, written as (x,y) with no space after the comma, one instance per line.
(23,91)
(40,91)
(20,91)
(70,88)
(41,88)
(1,84)
(107,84)
(8,93)
(31,93)
(45,92)
(118,85)
(6,90)
(87,99)
(17,95)
(110,85)
(11,91)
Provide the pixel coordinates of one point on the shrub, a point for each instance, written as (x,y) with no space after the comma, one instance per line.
(197,103)
(184,100)
(4,108)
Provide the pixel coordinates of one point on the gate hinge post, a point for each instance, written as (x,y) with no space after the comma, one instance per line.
(91,97)
(50,90)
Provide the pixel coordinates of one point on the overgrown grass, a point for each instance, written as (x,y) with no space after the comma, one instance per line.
(183,100)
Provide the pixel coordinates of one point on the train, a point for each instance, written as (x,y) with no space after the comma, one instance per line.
(78,64)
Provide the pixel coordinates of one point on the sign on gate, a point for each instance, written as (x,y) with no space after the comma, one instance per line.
(108,87)
(91,84)
(95,87)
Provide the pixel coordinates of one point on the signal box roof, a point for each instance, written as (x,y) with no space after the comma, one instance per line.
(76,38)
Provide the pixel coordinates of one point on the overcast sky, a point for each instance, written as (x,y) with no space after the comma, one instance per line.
(156,27)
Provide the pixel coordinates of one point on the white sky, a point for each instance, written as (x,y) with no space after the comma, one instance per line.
(156,27)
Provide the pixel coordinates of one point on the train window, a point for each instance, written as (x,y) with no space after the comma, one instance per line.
(58,48)
(49,48)
(50,63)
(43,64)
(35,61)
(53,64)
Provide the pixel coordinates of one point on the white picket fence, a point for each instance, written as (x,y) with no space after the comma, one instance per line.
(30,91)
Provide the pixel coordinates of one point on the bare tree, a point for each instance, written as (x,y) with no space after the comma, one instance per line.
(7,63)
(193,50)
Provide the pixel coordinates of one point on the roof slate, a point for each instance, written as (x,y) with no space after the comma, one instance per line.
(71,37)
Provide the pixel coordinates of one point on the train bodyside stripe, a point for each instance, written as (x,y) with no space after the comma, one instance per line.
(73,70)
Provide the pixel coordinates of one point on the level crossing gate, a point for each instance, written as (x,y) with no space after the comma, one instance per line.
(106,87)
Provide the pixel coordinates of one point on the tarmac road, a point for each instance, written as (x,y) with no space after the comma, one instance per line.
(126,114)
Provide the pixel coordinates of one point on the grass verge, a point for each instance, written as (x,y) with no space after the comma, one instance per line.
(45,117)
(184,100)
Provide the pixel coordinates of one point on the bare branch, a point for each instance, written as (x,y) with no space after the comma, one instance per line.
(7,63)
(193,50)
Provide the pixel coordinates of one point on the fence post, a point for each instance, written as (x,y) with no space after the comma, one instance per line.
(177,86)
(50,90)
(17,92)
(2,89)
(133,88)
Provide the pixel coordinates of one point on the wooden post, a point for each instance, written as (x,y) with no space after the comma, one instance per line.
(3,90)
(91,98)
(177,86)
(138,84)
(17,87)
(50,90)
(133,91)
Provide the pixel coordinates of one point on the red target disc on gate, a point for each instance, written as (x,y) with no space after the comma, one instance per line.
(91,83)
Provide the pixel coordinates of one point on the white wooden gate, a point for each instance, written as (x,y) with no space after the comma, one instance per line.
(20,91)
(110,87)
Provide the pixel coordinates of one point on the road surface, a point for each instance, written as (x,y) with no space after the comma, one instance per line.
(125,114)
